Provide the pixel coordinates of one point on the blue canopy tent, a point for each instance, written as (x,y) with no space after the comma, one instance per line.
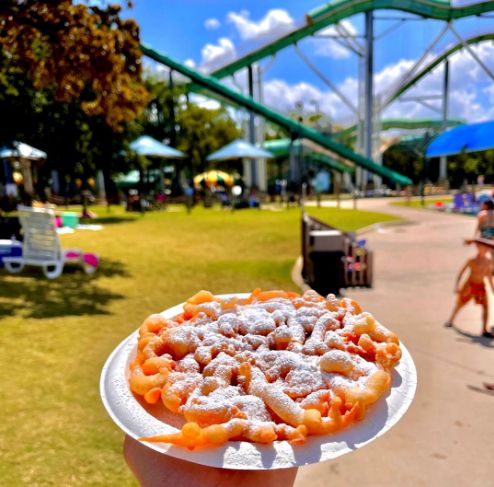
(465,138)
(239,149)
(20,150)
(25,154)
(149,147)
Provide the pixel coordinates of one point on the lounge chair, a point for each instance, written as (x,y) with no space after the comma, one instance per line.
(464,203)
(41,246)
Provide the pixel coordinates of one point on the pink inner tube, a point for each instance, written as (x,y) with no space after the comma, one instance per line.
(91,260)
(72,254)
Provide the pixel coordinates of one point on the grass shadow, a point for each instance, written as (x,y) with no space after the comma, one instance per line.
(30,295)
(109,220)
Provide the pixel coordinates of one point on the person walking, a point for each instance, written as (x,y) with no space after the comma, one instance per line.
(479,268)
(485,221)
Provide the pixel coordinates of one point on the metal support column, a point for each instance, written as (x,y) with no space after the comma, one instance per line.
(252,128)
(443,161)
(262,177)
(368,84)
(173,133)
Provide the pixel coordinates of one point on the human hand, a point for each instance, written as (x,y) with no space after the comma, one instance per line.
(154,469)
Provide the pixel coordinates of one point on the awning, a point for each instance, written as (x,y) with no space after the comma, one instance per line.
(147,146)
(20,150)
(465,138)
(239,149)
(215,178)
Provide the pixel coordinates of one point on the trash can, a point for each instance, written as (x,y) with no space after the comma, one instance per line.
(327,272)
(326,250)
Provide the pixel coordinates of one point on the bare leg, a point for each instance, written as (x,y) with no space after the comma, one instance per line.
(485,317)
(456,309)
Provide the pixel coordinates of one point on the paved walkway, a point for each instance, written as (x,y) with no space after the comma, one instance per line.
(447,436)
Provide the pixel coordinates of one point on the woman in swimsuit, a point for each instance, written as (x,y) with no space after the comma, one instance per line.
(485,221)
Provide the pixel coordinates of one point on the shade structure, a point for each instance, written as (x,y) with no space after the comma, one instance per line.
(465,138)
(149,147)
(215,178)
(20,150)
(239,149)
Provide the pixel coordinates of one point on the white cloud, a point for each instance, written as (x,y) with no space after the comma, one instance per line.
(329,47)
(215,55)
(204,101)
(274,23)
(190,63)
(468,97)
(212,23)
(284,97)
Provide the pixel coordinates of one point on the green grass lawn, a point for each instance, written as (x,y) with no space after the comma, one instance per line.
(56,335)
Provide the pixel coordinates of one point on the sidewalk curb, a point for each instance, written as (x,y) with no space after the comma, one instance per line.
(296,275)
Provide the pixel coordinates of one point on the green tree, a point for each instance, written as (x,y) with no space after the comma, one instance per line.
(203,131)
(76,51)
(159,119)
(406,161)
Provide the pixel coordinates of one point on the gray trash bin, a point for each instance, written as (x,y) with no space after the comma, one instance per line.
(326,251)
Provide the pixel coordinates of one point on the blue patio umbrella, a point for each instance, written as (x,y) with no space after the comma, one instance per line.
(465,138)
(25,154)
(20,150)
(149,147)
(239,149)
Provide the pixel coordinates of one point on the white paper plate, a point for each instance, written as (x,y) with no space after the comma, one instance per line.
(139,419)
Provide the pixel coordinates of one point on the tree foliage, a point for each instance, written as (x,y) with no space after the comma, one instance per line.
(410,161)
(76,51)
(203,131)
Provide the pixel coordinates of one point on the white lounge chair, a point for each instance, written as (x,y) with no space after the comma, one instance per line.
(41,246)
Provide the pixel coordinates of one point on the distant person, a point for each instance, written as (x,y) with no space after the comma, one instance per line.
(485,221)
(253,199)
(189,197)
(480,267)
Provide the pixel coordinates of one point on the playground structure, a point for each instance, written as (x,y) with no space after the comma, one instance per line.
(368,111)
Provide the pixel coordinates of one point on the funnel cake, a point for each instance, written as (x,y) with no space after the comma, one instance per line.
(272,366)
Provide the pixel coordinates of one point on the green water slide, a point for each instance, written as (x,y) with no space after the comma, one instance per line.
(333,12)
(406,124)
(281,148)
(438,60)
(301,131)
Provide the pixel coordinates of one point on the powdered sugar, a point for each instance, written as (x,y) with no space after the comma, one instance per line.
(264,361)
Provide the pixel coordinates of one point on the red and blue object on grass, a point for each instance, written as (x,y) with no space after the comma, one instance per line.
(9,248)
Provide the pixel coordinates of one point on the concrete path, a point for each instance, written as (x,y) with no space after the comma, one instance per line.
(447,436)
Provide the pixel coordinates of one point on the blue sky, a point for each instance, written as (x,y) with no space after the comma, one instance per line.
(205,32)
